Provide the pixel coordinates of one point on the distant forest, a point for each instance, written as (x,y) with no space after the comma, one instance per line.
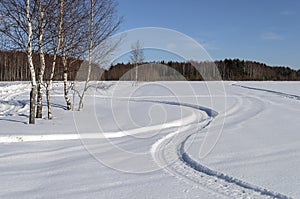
(13,67)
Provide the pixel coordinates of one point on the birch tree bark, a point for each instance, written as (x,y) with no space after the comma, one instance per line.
(18,25)
(56,50)
(91,28)
(66,83)
(103,22)
(137,57)
(39,110)
(31,66)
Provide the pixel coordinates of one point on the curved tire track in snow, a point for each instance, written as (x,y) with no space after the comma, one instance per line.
(186,121)
(198,167)
(169,153)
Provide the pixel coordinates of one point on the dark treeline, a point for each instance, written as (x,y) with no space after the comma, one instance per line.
(228,69)
(14,67)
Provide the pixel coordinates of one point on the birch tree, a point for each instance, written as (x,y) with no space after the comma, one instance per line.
(55,54)
(91,29)
(81,26)
(66,84)
(74,40)
(18,20)
(103,22)
(30,63)
(47,10)
(41,30)
(136,58)
(70,42)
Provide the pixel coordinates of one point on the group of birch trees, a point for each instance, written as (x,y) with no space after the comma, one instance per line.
(60,28)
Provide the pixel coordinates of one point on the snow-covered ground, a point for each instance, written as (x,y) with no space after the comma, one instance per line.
(154,140)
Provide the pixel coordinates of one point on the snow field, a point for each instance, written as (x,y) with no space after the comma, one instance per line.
(156,134)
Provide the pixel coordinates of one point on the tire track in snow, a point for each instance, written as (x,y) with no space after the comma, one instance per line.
(287,95)
(188,169)
(103,135)
(198,167)
(169,153)
(8,105)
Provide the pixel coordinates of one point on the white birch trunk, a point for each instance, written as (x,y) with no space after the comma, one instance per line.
(31,66)
(39,110)
(90,56)
(136,74)
(136,58)
(66,84)
(50,83)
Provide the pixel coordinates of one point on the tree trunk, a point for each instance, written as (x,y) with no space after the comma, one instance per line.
(32,105)
(31,66)
(39,110)
(50,83)
(66,84)
(136,74)
(80,107)
(48,102)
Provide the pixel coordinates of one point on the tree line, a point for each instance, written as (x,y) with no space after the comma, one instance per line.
(14,67)
(228,69)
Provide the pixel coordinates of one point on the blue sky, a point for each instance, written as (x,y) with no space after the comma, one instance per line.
(267,31)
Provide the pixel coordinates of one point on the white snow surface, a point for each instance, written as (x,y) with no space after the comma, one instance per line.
(145,141)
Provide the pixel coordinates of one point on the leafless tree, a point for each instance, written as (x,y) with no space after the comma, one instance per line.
(91,29)
(18,26)
(57,43)
(70,29)
(103,22)
(137,57)
(30,63)
(74,39)
(44,16)
(71,42)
